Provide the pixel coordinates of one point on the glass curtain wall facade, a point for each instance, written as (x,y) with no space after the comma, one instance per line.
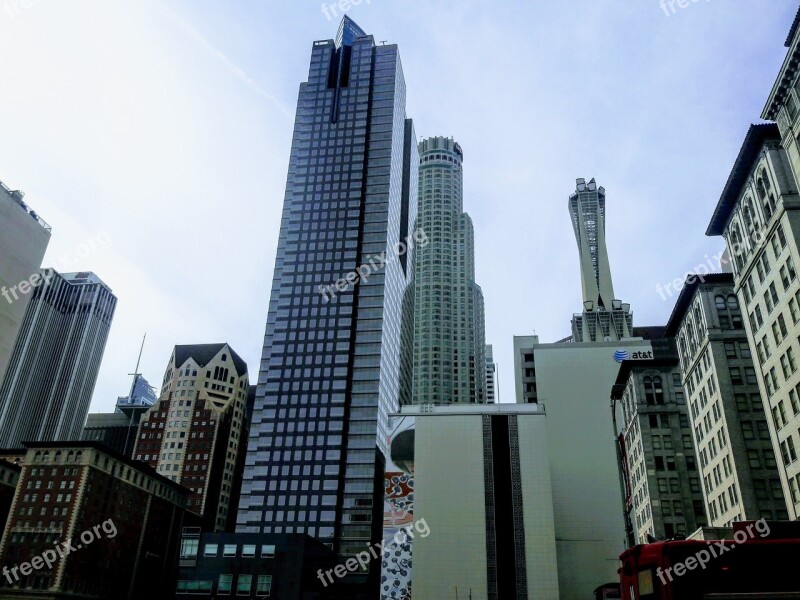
(336,357)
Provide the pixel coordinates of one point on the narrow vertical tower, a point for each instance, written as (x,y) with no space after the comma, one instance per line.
(336,357)
(449,334)
(604,318)
(587,206)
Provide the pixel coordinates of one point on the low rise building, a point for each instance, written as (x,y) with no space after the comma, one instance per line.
(88,523)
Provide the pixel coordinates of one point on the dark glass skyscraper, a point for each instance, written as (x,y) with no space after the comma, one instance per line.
(336,358)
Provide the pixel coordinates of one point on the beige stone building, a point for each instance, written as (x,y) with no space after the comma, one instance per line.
(758,216)
(195,434)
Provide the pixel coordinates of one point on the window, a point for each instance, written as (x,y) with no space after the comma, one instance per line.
(225,583)
(244,584)
(229,550)
(788,451)
(654,390)
(268,551)
(194,586)
(264,585)
(189,547)
(248,550)
(211,550)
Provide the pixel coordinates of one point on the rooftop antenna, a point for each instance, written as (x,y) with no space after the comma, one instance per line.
(136,376)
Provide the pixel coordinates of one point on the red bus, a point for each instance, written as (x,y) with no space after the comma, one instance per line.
(733,569)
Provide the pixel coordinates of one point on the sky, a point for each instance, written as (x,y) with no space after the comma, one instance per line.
(154,137)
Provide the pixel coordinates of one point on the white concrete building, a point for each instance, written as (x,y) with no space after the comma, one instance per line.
(23,241)
(572,382)
(480,477)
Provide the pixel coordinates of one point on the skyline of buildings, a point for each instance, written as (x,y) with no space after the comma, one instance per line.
(701,429)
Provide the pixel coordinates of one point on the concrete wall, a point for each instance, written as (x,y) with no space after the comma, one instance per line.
(574,384)
(23,242)
(449,496)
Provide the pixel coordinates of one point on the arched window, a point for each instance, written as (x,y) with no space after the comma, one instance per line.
(766,195)
(750,222)
(720,302)
(737,247)
(653,390)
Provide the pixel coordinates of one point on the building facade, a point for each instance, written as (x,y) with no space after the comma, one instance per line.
(53,369)
(449,329)
(88,523)
(492,388)
(604,318)
(337,355)
(496,540)
(729,426)
(118,430)
(758,216)
(572,381)
(253,565)
(195,434)
(663,495)
(23,241)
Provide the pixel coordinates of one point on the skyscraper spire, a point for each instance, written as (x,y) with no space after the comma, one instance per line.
(604,318)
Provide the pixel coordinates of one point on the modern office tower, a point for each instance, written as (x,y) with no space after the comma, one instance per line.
(730,430)
(491,376)
(23,241)
(50,379)
(255,565)
(118,430)
(663,496)
(336,359)
(449,329)
(603,318)
(758,216)
(195,434)
(572,381)
(495,537)
(122,519)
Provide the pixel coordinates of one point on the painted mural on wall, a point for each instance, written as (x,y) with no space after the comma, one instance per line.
(398,510)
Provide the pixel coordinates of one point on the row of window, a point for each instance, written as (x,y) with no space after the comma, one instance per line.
(225,585)
(190,547)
